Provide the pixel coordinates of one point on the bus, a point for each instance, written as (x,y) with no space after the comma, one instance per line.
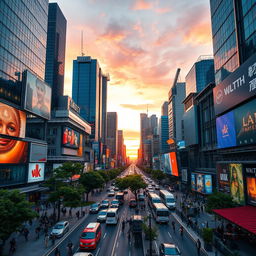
(168,199)
(153,198)
(112,216)
(160,213)
(120,197)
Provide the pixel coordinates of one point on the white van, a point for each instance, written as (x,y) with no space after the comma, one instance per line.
(168,199)
(112,216)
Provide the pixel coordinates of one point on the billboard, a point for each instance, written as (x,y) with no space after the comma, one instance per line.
(207,184)
(170,164)
(35,172)
(250,173)
(201,183)
(12,121)
(37,96)
(223,177)
(167,166)
(226,133)
(245,123)
(13,151)
(38,153)
(236,183)
(236,88)
(193,181)
(70,138)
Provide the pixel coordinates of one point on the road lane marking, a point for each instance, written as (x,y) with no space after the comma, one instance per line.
(114,245)
(156,245)
(170,235)
(117,244)
(105,235)
(97,252)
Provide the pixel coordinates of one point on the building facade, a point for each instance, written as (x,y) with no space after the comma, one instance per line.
(112,136)
(164,109)
(163,135)
(120,147)
(55,52)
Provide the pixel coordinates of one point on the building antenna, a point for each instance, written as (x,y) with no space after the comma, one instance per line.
(82,43)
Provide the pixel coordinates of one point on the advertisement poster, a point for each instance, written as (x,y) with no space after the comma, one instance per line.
(226,133)
(193,181)
(174,165)
(35,172)
(223,177)
(200,183)
(12,121)
(207,184)
(13,151)
(167,166)
(70,138)
(37,96)
(245,123)
(236,183)
(250,172)
(38,153)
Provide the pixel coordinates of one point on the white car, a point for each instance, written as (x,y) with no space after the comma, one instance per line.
(83,254)
(60,229)
(111,193)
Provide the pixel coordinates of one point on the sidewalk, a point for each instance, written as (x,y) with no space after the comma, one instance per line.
(35,247)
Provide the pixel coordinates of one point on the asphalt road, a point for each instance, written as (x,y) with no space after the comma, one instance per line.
(114,241)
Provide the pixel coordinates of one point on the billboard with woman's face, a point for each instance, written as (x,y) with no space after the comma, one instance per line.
(12,122)
(37,96)
(236,183)
(70,138)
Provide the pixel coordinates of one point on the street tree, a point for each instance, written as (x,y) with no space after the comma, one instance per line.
(14,211)
(158,175)
(219,200)
(91,180)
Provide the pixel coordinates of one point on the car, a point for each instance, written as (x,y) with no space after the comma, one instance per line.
(94,208)
(111,193)
(133,203)
(90,236)
(116,188)
(104,204)
(60,229)
(141,197)
(126,191)
(168,249)
(157,187)
(83,254)
(102,215)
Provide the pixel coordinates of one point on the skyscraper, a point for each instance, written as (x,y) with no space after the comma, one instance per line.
(111,139)
(55,52)
(164,109)
(105,79)
(233,34)
(87,92)
(23,44)
(153,124)
(163,134)
(120,145)
(200,75)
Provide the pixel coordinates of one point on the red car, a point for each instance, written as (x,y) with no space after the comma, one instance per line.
(133,203)
(90,236)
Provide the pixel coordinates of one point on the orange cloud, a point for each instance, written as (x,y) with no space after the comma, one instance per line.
(142,5)
(162,10)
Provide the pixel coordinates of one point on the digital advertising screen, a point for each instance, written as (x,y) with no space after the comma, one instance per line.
(167,165)
(35,172)
(223,177)
(250,173)
(13,151)
(226,132)
(12,121)
(70,138)
(207,184)
(37,96)
(174,165)
(38,153)
(193,181)
(236,183)
(200,183)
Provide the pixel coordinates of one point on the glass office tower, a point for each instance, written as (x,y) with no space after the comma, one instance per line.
(55,52)
(234,34)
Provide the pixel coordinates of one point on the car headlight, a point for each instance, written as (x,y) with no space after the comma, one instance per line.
(92,243)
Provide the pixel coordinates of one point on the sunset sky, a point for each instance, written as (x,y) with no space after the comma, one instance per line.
(140,43)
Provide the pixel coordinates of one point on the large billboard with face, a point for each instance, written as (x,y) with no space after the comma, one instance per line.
(70,138)
(236,88)
(250,174)
(35,172)
(236,183)
(13,151)
(223,178)
(12,121)
(37,96)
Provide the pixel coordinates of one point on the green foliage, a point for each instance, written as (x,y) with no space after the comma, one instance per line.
(158,175)
(104,175)
(14,210)
(150,234)
(219,200)
(91,180)
(207,234)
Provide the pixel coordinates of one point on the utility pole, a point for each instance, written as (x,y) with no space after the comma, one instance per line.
(150,237)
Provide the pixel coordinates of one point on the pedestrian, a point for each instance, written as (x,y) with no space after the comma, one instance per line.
(53,238)
(57,252)
(198,246)
(46,240)
(181,232)
(173,226)
(70,248)
(12,246)
(37,232)
(25,233)
(70,213)
(78,214)
(30,222)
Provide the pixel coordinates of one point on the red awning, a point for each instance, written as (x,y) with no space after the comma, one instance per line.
(244,216)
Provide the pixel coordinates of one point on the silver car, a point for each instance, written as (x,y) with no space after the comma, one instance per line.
(102,215)
(60,229)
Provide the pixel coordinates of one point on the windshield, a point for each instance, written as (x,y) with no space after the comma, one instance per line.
(119,196)
(170,200)
(94,205)
(58,226)
(111,214)
(115,202)
(88,235)
(162,213)
(103,213)
(156,200)
(104,202)
(171,251)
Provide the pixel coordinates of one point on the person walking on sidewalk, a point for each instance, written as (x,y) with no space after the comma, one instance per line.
(46,240)
(173,226)
(70,248)
(53,239)
(57,252)
(181,232)
(198,246)
(12,246)
(25,233)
